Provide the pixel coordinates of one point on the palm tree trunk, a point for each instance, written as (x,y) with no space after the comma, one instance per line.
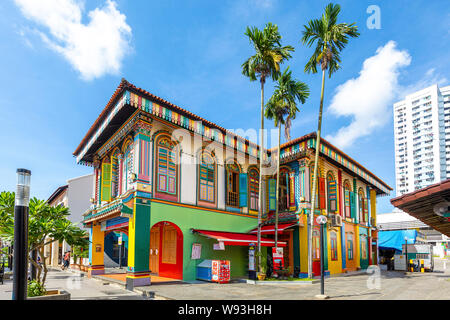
(261,175)
(278,186)
(314,188)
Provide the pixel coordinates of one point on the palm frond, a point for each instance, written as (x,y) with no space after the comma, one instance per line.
(329,37)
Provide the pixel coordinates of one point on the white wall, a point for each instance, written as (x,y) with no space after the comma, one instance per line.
(79,194)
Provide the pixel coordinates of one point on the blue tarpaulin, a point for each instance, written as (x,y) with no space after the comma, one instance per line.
(394,239)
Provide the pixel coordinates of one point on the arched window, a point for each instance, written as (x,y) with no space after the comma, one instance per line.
(361,206)
(316,244)
(166,169)
(233,184)
(320,189)
(207,178)
(283,200)
(253,188)
(333,245)
(115,182)
(350,246)
(347,200)
(364,247)
(332,193)
(127,168)
(106,180)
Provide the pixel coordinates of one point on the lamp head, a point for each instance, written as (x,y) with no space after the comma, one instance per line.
(23,187)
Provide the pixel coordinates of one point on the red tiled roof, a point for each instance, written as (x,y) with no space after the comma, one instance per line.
(124,84)
(325,142)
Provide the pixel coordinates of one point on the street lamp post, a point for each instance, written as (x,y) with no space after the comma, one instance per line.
(322,220)
(406,254)
(20,257)
(120,251)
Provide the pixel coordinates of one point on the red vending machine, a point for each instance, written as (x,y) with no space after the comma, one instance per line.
(220,271)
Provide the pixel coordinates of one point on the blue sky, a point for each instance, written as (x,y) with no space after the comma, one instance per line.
(61,66)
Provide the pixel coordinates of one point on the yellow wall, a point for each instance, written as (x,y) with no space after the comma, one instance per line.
(334,266)
(132,237)
(98,238)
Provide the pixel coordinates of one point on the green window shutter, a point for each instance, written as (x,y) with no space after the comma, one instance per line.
(352,205)
(272,194)
(106,182)
(243,190)
(366,210)
(347,203)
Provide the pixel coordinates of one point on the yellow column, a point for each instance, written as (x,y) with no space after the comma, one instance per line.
(303,237)
(357,246)
(373,205)
(96,249)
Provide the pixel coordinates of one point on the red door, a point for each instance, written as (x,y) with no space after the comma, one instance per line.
(171,251)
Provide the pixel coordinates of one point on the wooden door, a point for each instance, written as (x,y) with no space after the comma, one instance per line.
(154,249)
(169,245)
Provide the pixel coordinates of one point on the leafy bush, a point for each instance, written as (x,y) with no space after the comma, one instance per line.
(35,289)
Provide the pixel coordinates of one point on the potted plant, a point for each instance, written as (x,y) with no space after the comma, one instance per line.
(263,267)
(37,291)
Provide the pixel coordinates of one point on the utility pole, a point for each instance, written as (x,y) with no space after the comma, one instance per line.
(120,251)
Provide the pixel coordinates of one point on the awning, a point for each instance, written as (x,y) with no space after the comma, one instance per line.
(237,239)
(270,229)
(431,205)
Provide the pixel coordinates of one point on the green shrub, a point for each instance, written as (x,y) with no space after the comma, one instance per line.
(35,289)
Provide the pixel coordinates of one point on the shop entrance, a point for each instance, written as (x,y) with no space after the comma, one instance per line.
(166,250)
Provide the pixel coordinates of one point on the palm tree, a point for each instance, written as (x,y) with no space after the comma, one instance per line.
(269,54)
(283,103)
(329,38)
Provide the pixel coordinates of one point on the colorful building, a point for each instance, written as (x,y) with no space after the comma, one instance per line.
(168,180)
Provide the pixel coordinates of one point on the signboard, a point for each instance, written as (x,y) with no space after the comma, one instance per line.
(251,257)
(196,251)
(120,241)
(278,258)
(215,270)
(399,262)
(219,246)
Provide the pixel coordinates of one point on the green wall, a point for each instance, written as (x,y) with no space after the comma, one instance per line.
(187,218)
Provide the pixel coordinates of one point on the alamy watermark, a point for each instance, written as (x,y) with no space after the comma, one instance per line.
(374,279)
(374,20)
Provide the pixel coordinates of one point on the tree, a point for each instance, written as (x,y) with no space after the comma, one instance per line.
(46,224)
(283,103)
(329,38)
(269,54)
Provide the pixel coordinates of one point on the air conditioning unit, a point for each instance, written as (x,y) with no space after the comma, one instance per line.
(336,220)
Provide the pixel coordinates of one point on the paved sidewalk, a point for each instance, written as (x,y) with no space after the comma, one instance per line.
(79,286)
(388,285)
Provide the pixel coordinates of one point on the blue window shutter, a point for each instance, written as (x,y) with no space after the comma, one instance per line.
(272,194)
(243,190)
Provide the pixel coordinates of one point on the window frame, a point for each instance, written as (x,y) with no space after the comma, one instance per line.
(171,165)
(211,171)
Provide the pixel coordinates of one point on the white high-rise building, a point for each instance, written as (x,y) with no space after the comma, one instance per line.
(422,139)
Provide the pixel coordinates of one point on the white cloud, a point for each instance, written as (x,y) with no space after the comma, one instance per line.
(93,49)
(368,98)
